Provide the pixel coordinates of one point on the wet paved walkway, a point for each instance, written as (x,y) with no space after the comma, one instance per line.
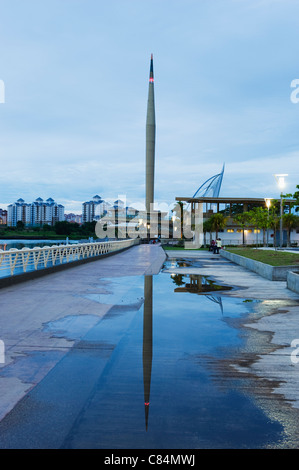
(43,320)
(278,316)
(27,307)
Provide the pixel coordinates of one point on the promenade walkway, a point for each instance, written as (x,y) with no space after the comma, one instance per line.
(247,283)
(68,297)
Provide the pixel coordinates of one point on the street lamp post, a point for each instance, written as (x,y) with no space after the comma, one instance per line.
(268,204)
(281,184)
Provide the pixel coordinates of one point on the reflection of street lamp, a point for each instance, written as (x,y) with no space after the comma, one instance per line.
(245,235)
(281,184)
(173,227)
(268,204)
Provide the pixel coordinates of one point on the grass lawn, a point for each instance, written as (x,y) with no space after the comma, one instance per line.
(40,234)
(272,257)
(30,234)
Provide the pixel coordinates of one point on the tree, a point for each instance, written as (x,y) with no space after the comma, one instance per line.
(274,222)
(20,225)
(295,196)
(218,222)
(207,228)
(63,228)
(243,221)
(290,221)
(259,217)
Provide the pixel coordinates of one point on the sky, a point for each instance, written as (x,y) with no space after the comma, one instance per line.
(75,76)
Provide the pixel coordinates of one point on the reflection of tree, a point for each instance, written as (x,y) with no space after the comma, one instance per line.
(178,279)
(197,284)
(200,285)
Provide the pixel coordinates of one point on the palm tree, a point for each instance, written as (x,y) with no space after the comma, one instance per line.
(218,222)
(242,220)
(260,219)
(274,224)
(290,221)
(207,228)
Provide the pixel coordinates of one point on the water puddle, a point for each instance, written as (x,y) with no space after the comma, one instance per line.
(158,370)
(119,291)
(162,382)
(181,263)
(196,284)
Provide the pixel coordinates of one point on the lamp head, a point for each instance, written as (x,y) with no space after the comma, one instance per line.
(281,180)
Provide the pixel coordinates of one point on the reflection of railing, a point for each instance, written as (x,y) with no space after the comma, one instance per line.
(14,261)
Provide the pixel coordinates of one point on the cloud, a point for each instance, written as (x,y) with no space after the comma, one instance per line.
(76,75)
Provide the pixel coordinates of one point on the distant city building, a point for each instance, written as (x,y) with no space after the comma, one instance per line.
(46,212)
(3,217)
(18,211)
(122,213)
(97,208)
(73,218)
(39,212)
(94,209)
(116,214)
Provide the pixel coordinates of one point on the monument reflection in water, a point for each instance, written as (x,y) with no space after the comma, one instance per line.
(147,342)
(197,285)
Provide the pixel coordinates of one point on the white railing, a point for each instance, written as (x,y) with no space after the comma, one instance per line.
(14,261)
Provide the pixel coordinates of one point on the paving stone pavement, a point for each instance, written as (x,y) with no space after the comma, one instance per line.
(278,315)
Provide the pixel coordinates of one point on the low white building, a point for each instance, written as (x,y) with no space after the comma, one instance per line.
(73,218)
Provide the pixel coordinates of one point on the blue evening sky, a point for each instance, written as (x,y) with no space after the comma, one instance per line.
(76,81)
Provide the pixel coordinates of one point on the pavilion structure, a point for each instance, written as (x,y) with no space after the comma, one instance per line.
(231,206)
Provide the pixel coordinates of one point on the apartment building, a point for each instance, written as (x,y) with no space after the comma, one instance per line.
(39,212)
(94,209)
(3,217)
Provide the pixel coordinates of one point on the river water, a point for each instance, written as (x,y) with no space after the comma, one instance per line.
(19,244)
